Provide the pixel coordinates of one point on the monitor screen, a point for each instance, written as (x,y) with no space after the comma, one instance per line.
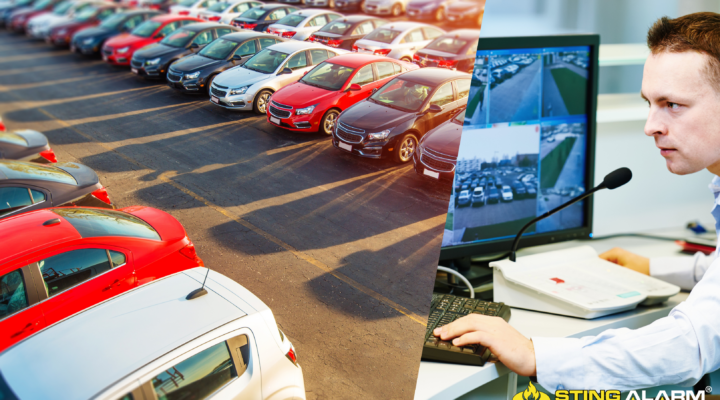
(526,146)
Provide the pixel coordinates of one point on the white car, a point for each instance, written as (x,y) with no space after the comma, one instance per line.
(225,11)
(249,87)
(506,193)
(478,197)
(385,7)
(191,7)
(152,342)
(299,25)
(39,26)
(463,198)
(398,40)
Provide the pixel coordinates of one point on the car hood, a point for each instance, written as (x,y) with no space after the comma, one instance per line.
(236,77)
(300,95)
(374,117)
(82,174)
(194,62)
(70,25)
(96,32)
(126,39)
(444,139)
(33,138)
(157,50)
(436,53)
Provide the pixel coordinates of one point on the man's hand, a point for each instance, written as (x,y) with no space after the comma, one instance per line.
(511,348)
(628,260)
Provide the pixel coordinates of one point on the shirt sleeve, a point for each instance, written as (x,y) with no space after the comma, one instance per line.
(676,350)
(681,271)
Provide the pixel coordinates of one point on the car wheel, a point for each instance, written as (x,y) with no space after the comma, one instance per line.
(328,122)
(209,83)
(406,59)
(261,101)
(405,148)
(440,14)
(396,10)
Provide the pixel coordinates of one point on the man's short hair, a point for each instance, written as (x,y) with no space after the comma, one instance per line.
(693,32)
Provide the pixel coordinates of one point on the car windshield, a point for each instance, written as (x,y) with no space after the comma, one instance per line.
(337,27)
(219,49)
(62,8)
(186,3)
(93,222)
(179,38)
(266,61)
(447,44)
(146,29)
(328,76)
(402,95)
(86,14)
(113,22)
(219,7)
(460,117)
(41,4)
(28,170)
(291,20)
(9,137)
(253,13)
(382,35)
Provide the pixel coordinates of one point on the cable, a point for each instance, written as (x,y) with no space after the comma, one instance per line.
(640,235)
(462,278)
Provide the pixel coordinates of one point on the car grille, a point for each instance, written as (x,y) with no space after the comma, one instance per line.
(217,92)
(437,154)
(279,113)
(285,106)
(136,64)
(436,164)
(349,134)
(173,76)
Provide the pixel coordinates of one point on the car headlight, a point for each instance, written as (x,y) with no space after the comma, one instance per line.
(123,50)
(305,111)
(194,75)
(380,135)
(241,90)
(88,41)
(155,61)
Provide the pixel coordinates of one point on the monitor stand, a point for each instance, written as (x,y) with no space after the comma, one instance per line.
(474,269)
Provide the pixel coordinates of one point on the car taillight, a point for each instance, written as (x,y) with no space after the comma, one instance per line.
(288,34)
(2,126)
(354,48)
(154,6)
(214,19)
(382,52)
(448,64)
(416,57)
(249,26)
(102,195)
(312,38)
(184,12)
(334,43)
(291,356)
(189,252)
(49,155)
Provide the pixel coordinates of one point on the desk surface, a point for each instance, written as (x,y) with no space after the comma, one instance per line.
(448,381)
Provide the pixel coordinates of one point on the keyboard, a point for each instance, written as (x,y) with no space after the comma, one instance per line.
(446,308)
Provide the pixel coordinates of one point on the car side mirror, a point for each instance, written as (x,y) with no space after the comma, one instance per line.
(159,36)
(236,57)
(354,87)
(434,108)
(285,71)
(374,90)
(194,46)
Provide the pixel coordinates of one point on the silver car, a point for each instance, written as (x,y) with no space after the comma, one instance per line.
(249,87)
(39,26)
(300,24)
(385,7)
(191,7)
(398,40)
(225,11)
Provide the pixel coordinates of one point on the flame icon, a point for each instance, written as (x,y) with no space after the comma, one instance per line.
(531,394)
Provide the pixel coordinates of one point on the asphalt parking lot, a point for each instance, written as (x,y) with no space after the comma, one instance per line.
(342,249)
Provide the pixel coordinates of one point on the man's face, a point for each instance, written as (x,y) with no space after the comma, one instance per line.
(684,113)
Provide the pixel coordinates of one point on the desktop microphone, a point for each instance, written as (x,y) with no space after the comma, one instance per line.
(612,180)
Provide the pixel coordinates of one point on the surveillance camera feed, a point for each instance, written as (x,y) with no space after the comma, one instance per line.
(523,144)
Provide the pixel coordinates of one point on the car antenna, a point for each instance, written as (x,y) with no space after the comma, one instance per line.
(199,292)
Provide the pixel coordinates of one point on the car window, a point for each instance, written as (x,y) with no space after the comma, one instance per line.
(187,22)
(277,14)
(382,35)
(431,33)
(146,29)
(203,38)
(117,258)
(242,7)
(328,76)
(246,49)
(179,38)
(219,49)
(299,60)
(364,76)
(105,13)
(14,198)
(385,69)
(196,377)
(413,36)
(240,349)
(320,20)
(447,44)
(93,222)
(133,22)
(224,31)
(397,67)
(65,270)
(443,96)
(331,53)
(169,28)
(401,94)
(318,56)
(266,61)
(265,42)
(12,293)
(364,28)
(28,170)
(463,88)
(338,27)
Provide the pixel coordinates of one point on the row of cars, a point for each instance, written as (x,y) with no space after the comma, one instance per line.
(486,188)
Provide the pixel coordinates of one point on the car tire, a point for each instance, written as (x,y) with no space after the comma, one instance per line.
(396,10)
(261,101)
(405,148)
(328,121)
(440,14)
(209,83)
(406,59)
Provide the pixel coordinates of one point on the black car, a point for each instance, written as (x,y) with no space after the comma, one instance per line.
(194,73)
(259,18)
(344,32)
(455,50)
(26,145)
(26,186)
(426,10)
(394,118)
(519,190)
(466,12)
(437,152)
(153,61)
(91,40)
(492,195)
(349,5)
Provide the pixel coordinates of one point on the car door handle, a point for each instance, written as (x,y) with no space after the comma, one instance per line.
(116,283)
(26,327)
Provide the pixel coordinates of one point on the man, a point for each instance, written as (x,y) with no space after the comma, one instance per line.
(681,83)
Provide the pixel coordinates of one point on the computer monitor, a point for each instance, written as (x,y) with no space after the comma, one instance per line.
(527,145)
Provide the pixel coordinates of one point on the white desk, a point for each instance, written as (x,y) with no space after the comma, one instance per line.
(448,381)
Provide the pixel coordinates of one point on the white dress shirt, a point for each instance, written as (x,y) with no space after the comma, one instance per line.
(678,349)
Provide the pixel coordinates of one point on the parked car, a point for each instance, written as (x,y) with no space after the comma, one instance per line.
(224,344)
(153,61)
(478,197)
(119,50)
(393,8)
(506,193)
(344,32)
(493,196)
(26,145)
(27,186)
(259,18)
(531,188)
(434,10)
(249,86)
(61,34)
(463,11)
(314,102)
(39,27)
(436,155)
(195,73)
(463,198)
(453,50)
(299,25)
(191,8)
(91,40)
(519,191)
(349,5)
(224,11)
(399,40)
(18,19)
(59,261)
(393,119)
(9,7)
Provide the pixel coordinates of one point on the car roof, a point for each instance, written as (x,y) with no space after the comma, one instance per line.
(404,25)
(356,18)
(355,60)
(25,232)
(245,35)
(87,353)
(172,17)
(312,11)
(273,6)
(467,34)
(205,25)
(294,45)
(432,76)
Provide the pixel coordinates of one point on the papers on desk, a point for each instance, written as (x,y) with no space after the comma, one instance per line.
(574,282)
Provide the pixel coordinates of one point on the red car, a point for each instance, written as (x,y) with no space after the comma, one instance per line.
(314,102)
(120,49)
(59,261)
(19,20)
(61,34)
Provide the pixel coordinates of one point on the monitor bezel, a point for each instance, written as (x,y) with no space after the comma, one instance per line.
(528,42)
